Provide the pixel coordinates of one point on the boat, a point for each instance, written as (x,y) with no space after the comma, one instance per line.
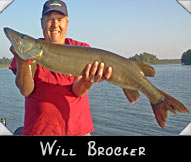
(4,131)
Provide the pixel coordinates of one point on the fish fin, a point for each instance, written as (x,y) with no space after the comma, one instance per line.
(131,95)
(167,104)
(148,70)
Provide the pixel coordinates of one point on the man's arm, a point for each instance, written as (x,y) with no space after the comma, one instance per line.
(24,79)
(92,73)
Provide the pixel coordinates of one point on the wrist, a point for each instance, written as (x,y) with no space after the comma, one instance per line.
(21,63)
(86,84)
(81,86)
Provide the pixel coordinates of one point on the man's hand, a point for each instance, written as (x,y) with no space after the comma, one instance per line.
(14,52)
(24,79)
(20,60)
(92,73)
(95,73)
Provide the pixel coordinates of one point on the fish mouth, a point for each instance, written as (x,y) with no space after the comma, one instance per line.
(7,31)
(13,36)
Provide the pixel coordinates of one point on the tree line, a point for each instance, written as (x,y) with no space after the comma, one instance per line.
(146,58)
(186,58)
(5,61)
(152,59)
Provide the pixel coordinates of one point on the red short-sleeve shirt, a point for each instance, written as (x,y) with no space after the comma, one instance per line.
(52,108)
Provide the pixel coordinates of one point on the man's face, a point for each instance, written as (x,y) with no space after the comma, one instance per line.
(54,25)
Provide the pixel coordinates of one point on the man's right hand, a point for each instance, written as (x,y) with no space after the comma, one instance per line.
(24,78)
(16,55)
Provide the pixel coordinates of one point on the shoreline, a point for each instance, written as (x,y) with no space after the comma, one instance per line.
(4,66)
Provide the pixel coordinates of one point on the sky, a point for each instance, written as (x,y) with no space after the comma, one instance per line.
(125,27)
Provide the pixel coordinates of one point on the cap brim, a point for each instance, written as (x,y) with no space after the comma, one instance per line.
(54,9)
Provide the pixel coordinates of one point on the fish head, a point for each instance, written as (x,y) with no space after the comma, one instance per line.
(25,46)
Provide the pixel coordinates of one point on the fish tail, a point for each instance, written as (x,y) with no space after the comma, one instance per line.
(168,103)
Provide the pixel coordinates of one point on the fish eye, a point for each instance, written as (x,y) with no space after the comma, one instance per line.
(22,36)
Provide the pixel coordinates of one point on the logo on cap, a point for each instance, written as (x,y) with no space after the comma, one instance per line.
(55,3)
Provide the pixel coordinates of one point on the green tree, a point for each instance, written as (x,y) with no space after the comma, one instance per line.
(5,61)
(146,58)
(186,58)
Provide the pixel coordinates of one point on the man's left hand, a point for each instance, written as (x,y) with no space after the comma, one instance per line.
(92,73)
(95,73)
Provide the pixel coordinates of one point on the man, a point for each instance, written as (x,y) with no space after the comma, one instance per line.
(56,104)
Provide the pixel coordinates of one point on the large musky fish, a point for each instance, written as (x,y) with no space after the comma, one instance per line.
(71,60)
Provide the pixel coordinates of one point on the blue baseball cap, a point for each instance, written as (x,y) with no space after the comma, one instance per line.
(55,5)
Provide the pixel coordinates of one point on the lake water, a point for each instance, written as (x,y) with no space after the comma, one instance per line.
(112,114)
